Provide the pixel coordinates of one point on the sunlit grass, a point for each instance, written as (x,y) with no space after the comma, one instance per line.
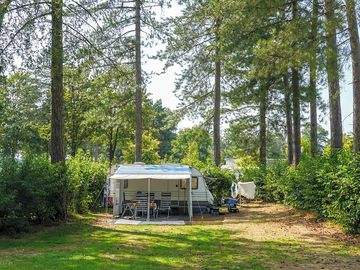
(81,245)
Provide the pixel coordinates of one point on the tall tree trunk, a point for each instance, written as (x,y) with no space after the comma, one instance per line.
(113,140)
(296,100)
(313,75)
(217,104)
(262,124)
(96,152)
(289,126)
(355,56)
(217,98)
(138,78)
(296,116)
(332,69)
(57,92)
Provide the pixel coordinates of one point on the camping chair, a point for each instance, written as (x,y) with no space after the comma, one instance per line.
(141,203)
(128,207)
(153,211)
(152,196)
(165,202)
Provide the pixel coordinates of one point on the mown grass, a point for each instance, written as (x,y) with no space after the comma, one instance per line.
(80,245)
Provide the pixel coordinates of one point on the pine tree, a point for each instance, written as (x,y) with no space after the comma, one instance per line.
(332,69)
(355,56)
(295,85)
(262,123)
(313,77)
(57,149)
(138,78)
(288,114)
(194,42)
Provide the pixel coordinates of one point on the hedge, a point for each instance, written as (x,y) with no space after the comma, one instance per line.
(32,190)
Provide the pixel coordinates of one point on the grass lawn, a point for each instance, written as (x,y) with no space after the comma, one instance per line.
(251,240)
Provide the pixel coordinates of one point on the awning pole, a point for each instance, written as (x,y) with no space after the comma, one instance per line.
(121,202)
(190,209)
(148,204)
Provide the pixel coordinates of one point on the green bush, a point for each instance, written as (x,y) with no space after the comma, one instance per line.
(86,181)
(342,189)
(31,192)
(221,186)
(272,183)
(328,185)
(35,191)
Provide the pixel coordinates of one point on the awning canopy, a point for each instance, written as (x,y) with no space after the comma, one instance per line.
(161,172)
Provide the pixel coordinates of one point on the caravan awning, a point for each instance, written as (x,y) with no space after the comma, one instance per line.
(161,172)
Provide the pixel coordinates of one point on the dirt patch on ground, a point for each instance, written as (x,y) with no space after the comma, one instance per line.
(314,244)
(265,221)
(261,221)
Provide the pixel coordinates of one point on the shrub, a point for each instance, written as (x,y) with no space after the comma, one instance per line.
(29,193)
(342,187)
(221,186)
(87,179)
(35,191)
(328,185)
(272,188)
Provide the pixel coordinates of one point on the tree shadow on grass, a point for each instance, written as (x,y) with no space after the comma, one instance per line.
(83,246)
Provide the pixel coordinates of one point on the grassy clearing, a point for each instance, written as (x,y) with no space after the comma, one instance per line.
(84,244)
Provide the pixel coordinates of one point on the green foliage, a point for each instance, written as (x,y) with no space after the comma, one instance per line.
(192,157)
(322,138)
(328,185)
(150,148)
(31,192)
(186,137)
(35,191)
(164,126)
(303,188)
(86,181)
(21,116)
(222,179)
(242,138)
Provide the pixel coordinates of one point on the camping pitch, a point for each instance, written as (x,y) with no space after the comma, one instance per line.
(172,188)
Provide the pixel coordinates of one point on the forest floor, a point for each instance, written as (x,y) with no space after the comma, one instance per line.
(261,236)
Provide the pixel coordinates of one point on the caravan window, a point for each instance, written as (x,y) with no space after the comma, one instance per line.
(126,183)
(194,183)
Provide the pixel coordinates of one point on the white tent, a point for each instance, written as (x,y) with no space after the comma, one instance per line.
(149,173)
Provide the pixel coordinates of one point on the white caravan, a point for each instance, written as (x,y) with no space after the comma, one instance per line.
(129,180)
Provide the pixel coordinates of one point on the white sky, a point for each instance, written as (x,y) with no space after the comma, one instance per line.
(162,86)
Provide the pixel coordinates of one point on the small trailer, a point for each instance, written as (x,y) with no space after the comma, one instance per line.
(183,185)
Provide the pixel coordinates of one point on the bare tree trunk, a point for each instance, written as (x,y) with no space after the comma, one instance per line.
(217,99)
(262,124)
(113,140)
(313,76)
(296,100)
(138,78)
(289,126)
(96,152)
(296,116)
(57,92)
(110,146)
(355,56)
(332,69)
(217,104)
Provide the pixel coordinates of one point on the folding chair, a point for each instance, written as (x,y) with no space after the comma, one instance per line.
(165,203)
(141,203)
